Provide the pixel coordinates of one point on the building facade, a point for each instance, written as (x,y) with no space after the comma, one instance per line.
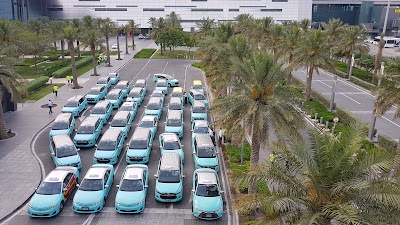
(190,11)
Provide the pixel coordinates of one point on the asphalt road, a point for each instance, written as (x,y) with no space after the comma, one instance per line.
(155,212)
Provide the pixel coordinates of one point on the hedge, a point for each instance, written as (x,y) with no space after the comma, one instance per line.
(67,70)
(387,143)
(145,53)
(37,83)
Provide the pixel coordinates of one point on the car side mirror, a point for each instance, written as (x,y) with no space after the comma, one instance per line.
(65,189)
(183,176)
(182,145)
(78,149)
(77,185)
(117,185)
(165,122)
(191,130)
(221,191)
(155,175)
(35,188)
(192,190)
(194,153)
(76,130)
(216,152)
(95,145)
(145,106)
(53,154)
(106,186)
(146,186)
(183,122)
(109,122)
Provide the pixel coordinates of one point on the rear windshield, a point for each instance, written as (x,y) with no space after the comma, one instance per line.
(176,94)
(140,85)
(157,94)
(91,185)
(206,152)
(106,145)
(99,110)
(161,84)
(121,86)
(138,144)
(198,109)
(146,124)
(112,96)
(118,123)
(172,145)
(175,106)
(200,130)
(153,106)
(174,122)
(135,94)
(85,130)
(197,86)
(131,185)
(71,104)
(94,92)
(102,81)
(126,108)
(199,97)
(65,151)
(49,188)
(113,75)
(207,190)
(62,125)
(169,176)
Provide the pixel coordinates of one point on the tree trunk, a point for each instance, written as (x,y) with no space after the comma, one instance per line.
(161,48)
(378,59)
(73,66)
(119,53)
(126,43)
(255,154)
(3,126)
(310,71)
(62,52)
(79,49)
(55,45)
(108,52)
(94,61)
(133,40)
(349,64)
(290,75)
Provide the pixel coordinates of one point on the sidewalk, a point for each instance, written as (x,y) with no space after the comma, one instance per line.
(20,171)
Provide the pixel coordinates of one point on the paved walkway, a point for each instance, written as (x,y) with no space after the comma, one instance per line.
(20,171)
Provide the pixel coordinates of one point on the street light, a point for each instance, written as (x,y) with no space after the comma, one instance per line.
(351,65)
(373,117)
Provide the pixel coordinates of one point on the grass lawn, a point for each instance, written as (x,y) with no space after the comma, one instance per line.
(145,53)
(44,69)
(359,73)
(197,65)
(84,69)
(29,61)
(175,54)
(40,93)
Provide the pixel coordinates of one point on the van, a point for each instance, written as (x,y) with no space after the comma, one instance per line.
(204,152)
(174,123)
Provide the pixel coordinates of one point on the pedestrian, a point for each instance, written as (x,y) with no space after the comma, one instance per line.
(50,105)
(220,136)
(272,157)
(55,89)
(211,132)
(71,78)
(51,79)
(67,78)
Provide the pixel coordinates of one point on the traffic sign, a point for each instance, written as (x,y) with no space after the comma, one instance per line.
(335,120)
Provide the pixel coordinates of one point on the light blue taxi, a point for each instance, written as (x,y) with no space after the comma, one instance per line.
(139,147)
(63,124)
(63,152)
(96,94)
(104,81)
(125,86)
(114,77)
(196,95)
(141,83)
(93,190)
(109,147)
(136,95)
(132,189)
(169,142)
(171,81)
(198,111)
(175,103)
(207,195)
(162,86)
(204,152)
(75,105)
(174,123)
(169,178)
(88,132)
(131,107)
(50,197)
(115,97)
(200,127)
(122,120)
(177,92)
(103,110)
(154,107)
(198,85)
(149,122)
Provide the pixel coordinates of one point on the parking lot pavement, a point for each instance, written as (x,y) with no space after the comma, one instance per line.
(387,52)
(155,212)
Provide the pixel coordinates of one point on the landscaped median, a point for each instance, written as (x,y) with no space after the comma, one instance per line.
(67,70)
(145,53)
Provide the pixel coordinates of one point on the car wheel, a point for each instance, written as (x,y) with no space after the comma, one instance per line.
(61,206)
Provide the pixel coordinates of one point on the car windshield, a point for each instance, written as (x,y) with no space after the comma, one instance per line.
(161,84)
(91,185)
(138,144)
(99,110)
(199,109)
(197,86)
(207,190)
(85,130)
(205,152)
(126,108)
(106,145)
(146,124)
(153,106)
(131,185)
(118,123)
(175,106)
(172,145)
(169,176)
(176,94)
(61,125)
(112,96)
(49,188)
(65,151)
(71,104)
(200,130)
(174,122)
(94,92)
(113,75)
(102,82)
(140,85)
(168,77)
(135,94)
(199,97)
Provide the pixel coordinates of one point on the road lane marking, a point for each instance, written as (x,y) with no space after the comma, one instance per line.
(324,83)
(120,160)
(171,206)
(184,81)
(88,221)
(140,71)
(369,112)
(165,67)
(390,121)
(350,98)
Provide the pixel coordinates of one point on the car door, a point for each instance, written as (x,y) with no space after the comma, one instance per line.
(102,92)
(191,97)
(69,184)
(107,183)
(98,129)
(71,124)
(145,182)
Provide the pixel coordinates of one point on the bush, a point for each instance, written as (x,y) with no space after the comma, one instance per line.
(145,53)
(235,153)
(197,65)
(37,83)
(362,83)
(67,70)
(262,187)
(313,107)
(387,143)
(240,170)
(359,73)
(53,57)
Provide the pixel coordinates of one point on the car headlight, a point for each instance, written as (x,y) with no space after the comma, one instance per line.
(138,203)
(75,202)
(117,202)
(197,208)
(53,206)
(220,209)
(98,202)
(29,205)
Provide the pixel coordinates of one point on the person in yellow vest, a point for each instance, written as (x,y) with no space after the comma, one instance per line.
(55,89)
(272,157)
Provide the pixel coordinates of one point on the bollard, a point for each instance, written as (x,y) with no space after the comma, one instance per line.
(327,125)
(333,128)
(316,116)
(320,120)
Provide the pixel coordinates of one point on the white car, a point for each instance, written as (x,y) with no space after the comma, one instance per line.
(114,46)
(140,36)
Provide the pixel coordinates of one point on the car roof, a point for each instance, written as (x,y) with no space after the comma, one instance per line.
(175,100)
(148,118)
(112,74)
(200,123)
(103,78)
(177,89)
(204,140)
(162,80)
(128,104)
(157,91)
(97,87)
(170,137)
(102,104)
(60,140)
(95,173)
(111,134)
(75,98)
(121,115)
(153,100)
(205,177)
(136,89)
(174,114)
(90,121)
(163,74)
(140,81)
(133,173)
(199,103)
(197,82)
(57,175)
(122,82)
(170,161)
(141,133)
(196,92)
(114,91)
(63,117)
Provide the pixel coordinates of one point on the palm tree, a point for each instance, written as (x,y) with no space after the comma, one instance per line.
(71,34)
(159,24)
(119,29)
(173,20)
(205,25)
(126,32)
(305,24)
(289,43)
(92,39)
(261,31)
(274,38)
(10,38)
(36,26)
(107,29)
(313,53)
(89,23)
(134,28)
(77,24)
(332,30)
(244,23)
(335,180)
(56,29)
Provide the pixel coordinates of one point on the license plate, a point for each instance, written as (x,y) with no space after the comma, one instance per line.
(208,215)
(128,210)
(39,214)
(85,208)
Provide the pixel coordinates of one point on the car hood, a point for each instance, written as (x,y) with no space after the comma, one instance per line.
(123,129)
(98,115)
(137,153)
(105,154)
(207,161)
(68,160)
(130,197)
(173,129)
(168,187)
(83,137)
(44,201)
(87,197)
(174,80)
(208,204)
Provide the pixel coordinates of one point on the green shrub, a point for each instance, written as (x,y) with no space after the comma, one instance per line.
(235,153)
(240,170)
(145,53)
(37,83)
(53,57)
(313,107)
(197,65)
(362,83)
(387,143)
(359,73)
(262,187)
(243,188)
(67,70)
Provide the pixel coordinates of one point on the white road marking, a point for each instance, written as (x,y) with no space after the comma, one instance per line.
(390,121)
(348,93)
(350,98)
(368,112)
(184,81)
(324,83)
(141,70)
(165,67)
(120,160)
(110,209)
(171,206)
(88,221)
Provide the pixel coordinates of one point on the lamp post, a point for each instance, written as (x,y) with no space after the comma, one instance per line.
(373,117)
(331,106)
(351,65)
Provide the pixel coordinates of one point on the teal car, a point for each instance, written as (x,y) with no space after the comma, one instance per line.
(200,127)
(136,95)
(161,85)
(88,132)
(177,92)
(174,123)
(170,142)
(122,121)
(109,147)
(103,110)
(114,77)
(125,86)
(198,111)
(104,81)
(149,122)
(204,152)
(154,107)
(175,103)
(63,152)
(132,189)
(115,97)
(171,81)
(96,94)
(141,83)
(196,95)
(207,195)
(93,190)
(139,147)
(169,178)
(63,124)
(50,197)
(131,107)
(75,105)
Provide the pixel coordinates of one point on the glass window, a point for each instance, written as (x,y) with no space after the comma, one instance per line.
(146,124)
(207,190)
(206,152)
(138,144)
(135,94)
(175,106)
(121,86)
(161,84)
(126,108)
(118,123)
(199,97)
(71,104)
(99,110)
(198,109)
(60,125)
(85,130)
(49,188)
(153,106)
(112,96)
(65,151)
(174,122)
(131,185)
(169,176)
(171,145)
(176,94)
(200,130)
(197,86)
(91,185)
(94,92)
(106,145)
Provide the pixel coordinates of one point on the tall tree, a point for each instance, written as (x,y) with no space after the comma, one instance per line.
(289,43)
(205,25)
(305,24)
(332,30)
(126,32)
(173,20)
(134,28)
(71,34)
(89,23)
(107,28)
(244,24)
(77,24)
(92,39)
